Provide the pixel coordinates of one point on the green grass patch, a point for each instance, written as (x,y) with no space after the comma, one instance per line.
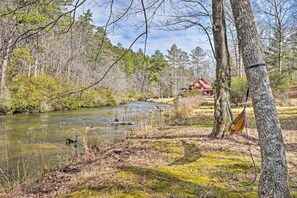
(214,174)
(192,173)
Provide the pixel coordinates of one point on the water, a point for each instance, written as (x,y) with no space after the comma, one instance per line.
(29,143)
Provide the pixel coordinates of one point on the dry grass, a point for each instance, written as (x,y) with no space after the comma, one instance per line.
(169,101)
(184,106)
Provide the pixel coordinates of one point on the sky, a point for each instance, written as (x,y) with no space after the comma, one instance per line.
(125,32)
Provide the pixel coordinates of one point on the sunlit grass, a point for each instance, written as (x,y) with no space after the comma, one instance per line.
(201,174)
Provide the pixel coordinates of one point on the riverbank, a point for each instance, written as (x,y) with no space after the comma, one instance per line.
(173,160)
(166,161)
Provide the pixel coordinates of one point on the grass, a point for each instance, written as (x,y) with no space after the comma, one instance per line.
(203,174)
(202,117)
(183,106)
(172,161)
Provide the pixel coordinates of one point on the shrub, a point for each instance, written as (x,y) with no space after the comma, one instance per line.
(103,97)
(30,94)
(41,93)
(280,83)
(193,92)
(108,97)
(238,90)
(5,102)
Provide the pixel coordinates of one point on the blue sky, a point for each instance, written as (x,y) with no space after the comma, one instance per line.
(125,32)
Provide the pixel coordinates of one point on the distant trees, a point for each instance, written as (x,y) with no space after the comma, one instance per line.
(186,68)
(24,23)
(276,21)
(174,58)
(158,69)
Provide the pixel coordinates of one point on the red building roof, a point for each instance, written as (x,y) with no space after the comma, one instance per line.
(202,84)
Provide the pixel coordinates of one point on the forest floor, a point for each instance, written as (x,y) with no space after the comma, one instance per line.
(175,160)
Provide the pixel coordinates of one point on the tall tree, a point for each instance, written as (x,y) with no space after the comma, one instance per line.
(276,26)
(173,58)
(197,55)
(157,65)
(223,81)
(274,174)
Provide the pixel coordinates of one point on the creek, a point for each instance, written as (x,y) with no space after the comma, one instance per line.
(31,142)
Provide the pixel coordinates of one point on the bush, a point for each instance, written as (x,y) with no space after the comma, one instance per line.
(92,98)
(41,93)
(193,92)
(108,97)
(238,90)
(280,83)
(30,94)
(139,96)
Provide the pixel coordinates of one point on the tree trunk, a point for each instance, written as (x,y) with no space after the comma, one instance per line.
(4,63)
(274,175)
(35,66)
(222,70)
(279,42)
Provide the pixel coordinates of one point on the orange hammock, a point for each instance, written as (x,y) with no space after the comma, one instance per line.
(238,123)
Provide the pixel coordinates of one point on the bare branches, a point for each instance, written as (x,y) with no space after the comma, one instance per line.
(41,30)
(146,27)
(104,34)
(106,72)
(19,7)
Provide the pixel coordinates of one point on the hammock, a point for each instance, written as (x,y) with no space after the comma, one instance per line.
(239,122)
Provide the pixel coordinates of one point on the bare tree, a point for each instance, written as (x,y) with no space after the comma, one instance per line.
(275,24)
(274,174)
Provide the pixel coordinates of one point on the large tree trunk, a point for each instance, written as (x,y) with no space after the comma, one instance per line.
(221,121)
(273,180)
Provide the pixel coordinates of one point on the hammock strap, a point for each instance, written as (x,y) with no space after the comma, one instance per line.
(254,66)
(247,133)
(249,144)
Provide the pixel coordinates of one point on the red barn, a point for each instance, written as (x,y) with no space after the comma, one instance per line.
(202,86)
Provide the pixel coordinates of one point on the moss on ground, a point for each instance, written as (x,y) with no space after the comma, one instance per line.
(192,173)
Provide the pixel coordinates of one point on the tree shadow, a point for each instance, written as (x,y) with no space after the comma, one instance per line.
(191,154)
(164,183)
